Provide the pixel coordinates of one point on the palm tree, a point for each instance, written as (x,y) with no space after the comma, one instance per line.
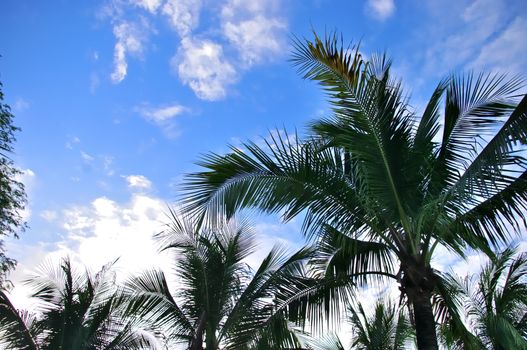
(387,329)
(76,311)
(15,326)
(495,304)
(381,189)
(220,302)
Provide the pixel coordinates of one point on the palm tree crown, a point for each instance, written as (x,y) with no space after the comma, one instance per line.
(75,311)
(381,189)
(495,304)
(387,328)
(220,302)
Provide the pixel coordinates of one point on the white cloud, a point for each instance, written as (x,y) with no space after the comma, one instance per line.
(380,9)
(103,230)
(256,39)
(233,8)
(131,39)
(253,29)
(183,15)
(138,182)
(506,51)
(201,65)
(96,234)
(150,5)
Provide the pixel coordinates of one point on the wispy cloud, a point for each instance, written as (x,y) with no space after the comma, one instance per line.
(183,15)
(95,81)
(107,163)
(254,29)
(470,29)
(163,116)
(48,215)
(72,141)
(380,9)
(87,158)
(27,177)
(150,5)
(131,38)
(21,104)
(506,51)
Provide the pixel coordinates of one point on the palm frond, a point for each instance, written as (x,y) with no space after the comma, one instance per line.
(14,327)
(148,296)
(369,111)
(338,254)
(474,107)
(328,341)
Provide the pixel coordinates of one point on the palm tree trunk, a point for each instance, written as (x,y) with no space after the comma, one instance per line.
(424,321)
(417,283)
(197,342)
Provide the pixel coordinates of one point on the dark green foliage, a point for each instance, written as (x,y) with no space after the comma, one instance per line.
(494,304)
(388,328)
(381,188)
(12,194)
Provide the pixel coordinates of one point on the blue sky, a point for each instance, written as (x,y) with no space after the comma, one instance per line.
(118,99)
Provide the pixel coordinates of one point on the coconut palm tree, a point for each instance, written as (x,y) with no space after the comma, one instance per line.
(495,304)
(220,302)
(379,188)
(388,328)
(75,311)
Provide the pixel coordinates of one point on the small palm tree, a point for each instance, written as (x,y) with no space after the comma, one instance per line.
(381,188)
(15,327)
(75,311)
(495,305)
(387,329)
(220,302)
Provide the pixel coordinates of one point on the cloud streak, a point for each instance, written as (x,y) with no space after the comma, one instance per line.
(162,114)
(163,117)
(131,38)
